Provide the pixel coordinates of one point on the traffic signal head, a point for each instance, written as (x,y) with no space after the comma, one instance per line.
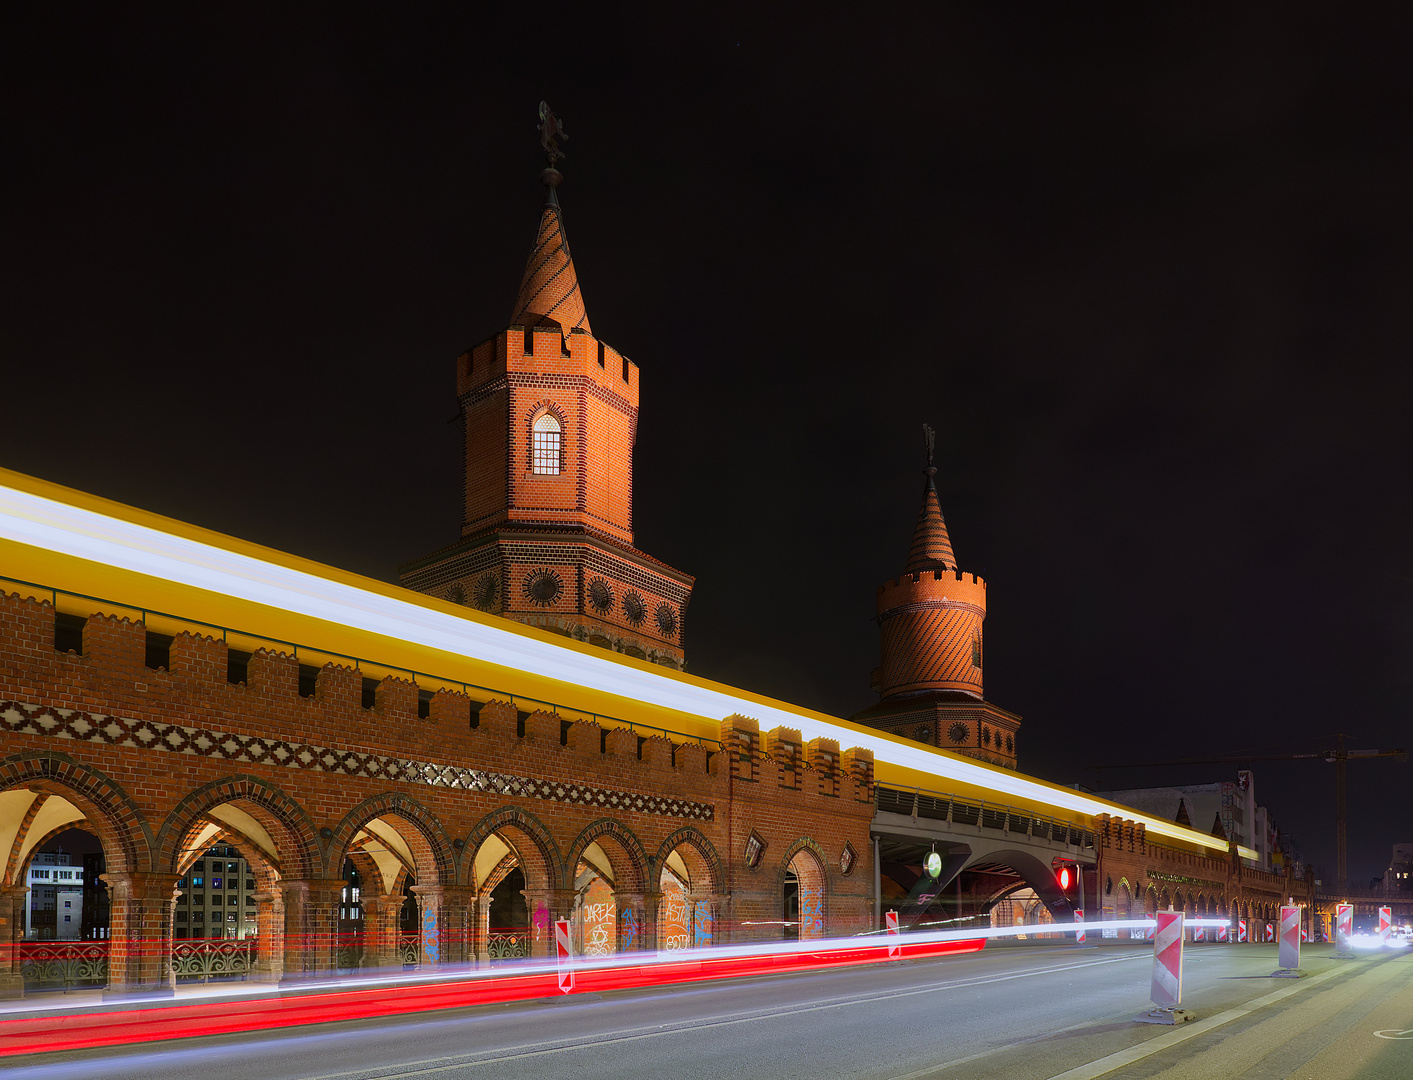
(1065,876)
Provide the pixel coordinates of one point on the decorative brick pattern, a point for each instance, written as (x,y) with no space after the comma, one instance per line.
(18,718)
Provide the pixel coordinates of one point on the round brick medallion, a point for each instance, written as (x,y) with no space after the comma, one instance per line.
(634,610)
(666,619)
(543,587)
(957,732)
(600,596)
(483,595)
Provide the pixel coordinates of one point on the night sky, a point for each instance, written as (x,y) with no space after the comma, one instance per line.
(1147,272)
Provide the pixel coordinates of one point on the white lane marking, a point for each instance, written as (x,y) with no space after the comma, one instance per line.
(1389,1033)
(441,1064)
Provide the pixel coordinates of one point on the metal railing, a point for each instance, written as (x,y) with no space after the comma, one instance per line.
(63,964)
(203,961)
(940,806)
(507,945)
(263,640)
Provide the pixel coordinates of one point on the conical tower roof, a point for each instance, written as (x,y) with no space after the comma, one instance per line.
(932,547)
(549,291)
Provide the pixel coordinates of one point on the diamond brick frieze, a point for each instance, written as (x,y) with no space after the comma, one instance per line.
(22,719)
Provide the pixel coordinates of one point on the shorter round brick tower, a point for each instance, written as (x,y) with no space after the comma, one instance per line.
(931,621)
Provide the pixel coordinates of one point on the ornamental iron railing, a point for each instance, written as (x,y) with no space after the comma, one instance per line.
(503,945)
(205,961)
(409,949)
(49,965)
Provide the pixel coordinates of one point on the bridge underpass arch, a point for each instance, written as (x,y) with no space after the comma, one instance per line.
(408,905)
(688,868)
(803,885)
(609,871)
(516,870)
(43,795)
(296,908)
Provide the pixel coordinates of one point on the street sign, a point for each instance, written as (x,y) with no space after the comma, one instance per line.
(564,955)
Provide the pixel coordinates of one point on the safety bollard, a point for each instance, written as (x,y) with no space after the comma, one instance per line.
(1289,952)
(1344,931)
(564,955)
(1166,989)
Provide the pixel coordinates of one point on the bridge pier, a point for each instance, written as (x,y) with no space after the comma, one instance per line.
(381,921)
(311,908)
(545,906)
(12,928)
(142,907)
(269,937)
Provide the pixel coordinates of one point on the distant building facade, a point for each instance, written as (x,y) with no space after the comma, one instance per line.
(54,903)
(1399,875)
(217,897)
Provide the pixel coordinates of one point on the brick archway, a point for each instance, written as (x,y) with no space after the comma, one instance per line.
(293,831)
(623,841)
(514,820)
(429,843)
(113,816)
(700,854)
(809,863)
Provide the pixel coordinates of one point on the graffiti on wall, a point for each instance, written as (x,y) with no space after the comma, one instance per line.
(674,917)
(539,923)
(811,911)
(596,926)
(431,949)
(632,929)
(702,924)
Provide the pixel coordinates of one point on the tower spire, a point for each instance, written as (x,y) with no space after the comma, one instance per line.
(932,547)
(549,289)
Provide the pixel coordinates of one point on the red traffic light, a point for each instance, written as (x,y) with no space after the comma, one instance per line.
(1065,877)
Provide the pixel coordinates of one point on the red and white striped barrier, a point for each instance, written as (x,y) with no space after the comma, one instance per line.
(1079,931)
(1199,933)
(1222,935)
(1385,924)
(1289,952)
(1166,988)
(1240,929)
(1270,932)
(1344,929)
(564,955)
(894,946)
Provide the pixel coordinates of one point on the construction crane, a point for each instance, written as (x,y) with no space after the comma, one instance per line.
(1338,757)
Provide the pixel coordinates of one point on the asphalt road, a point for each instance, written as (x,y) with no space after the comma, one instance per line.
(1017,1013)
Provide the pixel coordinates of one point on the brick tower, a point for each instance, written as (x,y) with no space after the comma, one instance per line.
(550,415)
(931,621)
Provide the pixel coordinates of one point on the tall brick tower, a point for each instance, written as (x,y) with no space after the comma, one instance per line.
(550,415)
(931,619)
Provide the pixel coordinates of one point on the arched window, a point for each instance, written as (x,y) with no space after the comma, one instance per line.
(546,444)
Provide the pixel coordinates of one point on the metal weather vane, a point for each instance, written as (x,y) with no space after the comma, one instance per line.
(551,129)
(929,438)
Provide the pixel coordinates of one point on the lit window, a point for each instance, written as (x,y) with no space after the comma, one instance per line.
(546,444)
(215,883)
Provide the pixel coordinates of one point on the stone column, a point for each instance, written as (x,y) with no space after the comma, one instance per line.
(632,920)
(311,908)
(545,906)
(706,927)
(381,915)
(458,924)
(140,945)
(429,924)
(12,932)
(269,937)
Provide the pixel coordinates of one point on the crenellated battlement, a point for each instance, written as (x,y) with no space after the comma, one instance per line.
(542,351)
(936,587)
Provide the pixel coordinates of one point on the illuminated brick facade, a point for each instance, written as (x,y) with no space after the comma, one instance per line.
(930,678)
(550,415)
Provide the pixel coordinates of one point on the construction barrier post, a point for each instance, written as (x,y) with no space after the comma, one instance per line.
(1079,934)
(1344,931)
(564,955)
(1385,924)
(1289,952)
(1166,990)
(895,947)
(1240,929)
